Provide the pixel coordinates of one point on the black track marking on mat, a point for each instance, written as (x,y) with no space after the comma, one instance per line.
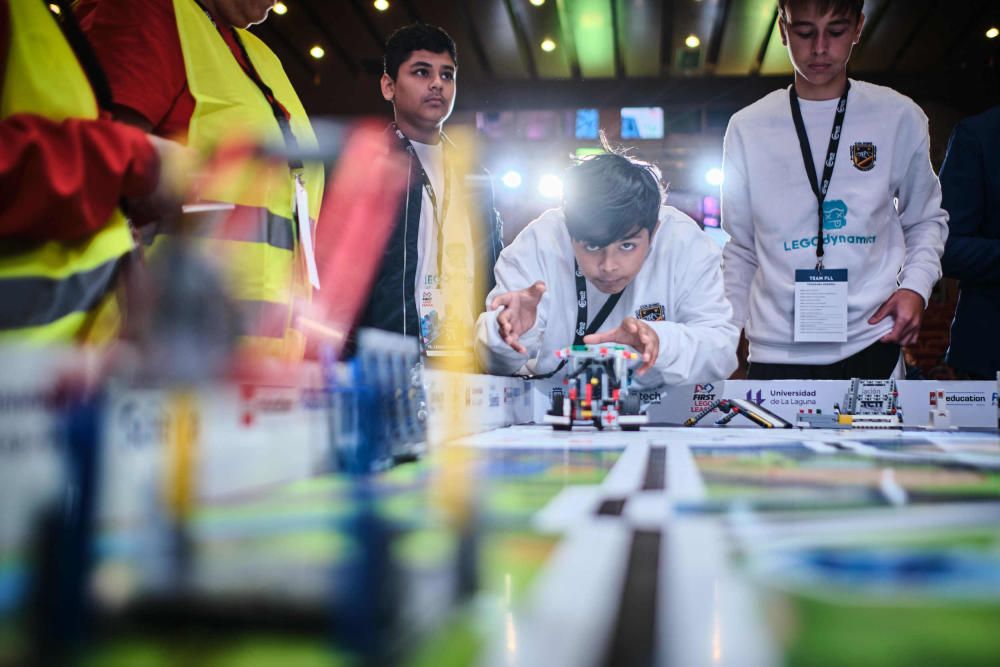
(656,470)
(633,642)
(611,507)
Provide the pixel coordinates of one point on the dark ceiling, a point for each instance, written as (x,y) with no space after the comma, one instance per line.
(628,52)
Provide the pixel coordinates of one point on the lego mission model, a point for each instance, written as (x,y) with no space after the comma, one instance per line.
(596,390)
(867,404)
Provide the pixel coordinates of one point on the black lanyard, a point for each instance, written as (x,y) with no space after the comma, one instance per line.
(582,329)
(819,188)
(291,143)
(438,214)
(84,53)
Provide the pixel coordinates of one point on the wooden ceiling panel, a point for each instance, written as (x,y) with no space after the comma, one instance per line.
(881,45)
(294,34)
(776,60)
(540,24)
(930,45)
(625,52)
(446,14)
(750,22)
(692,17)
(343,30)
(492,24)
(639,32)
(399,13)
(592,25)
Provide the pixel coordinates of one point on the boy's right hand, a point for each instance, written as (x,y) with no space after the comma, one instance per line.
(518,316)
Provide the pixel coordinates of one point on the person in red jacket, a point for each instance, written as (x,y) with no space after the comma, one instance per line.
(62,180)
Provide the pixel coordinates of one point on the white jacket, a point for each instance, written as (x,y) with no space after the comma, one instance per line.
(680,282)
(769,210)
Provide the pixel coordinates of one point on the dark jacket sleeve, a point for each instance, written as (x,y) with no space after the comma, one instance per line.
(969,256)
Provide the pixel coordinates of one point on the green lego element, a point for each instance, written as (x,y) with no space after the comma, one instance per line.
(581,348)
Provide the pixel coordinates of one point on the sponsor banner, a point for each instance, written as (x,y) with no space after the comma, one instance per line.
(972,404)
(491,401)
(248,437)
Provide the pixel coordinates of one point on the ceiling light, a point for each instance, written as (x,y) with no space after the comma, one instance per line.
(512,179)
(692,42)
(381,5)
(714,177)
(537,3)
(548,45)
(280,8)
(317,52)
(550,186)
(55,8)
(992,33)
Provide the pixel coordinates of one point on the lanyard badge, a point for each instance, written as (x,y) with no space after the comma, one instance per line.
(819,187)
(439,210)
(820,295)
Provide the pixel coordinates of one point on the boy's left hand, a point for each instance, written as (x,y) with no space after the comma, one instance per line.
(635,333)
(907,309)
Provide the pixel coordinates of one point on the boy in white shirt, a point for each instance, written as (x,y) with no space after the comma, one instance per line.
(829,183)
(613,265)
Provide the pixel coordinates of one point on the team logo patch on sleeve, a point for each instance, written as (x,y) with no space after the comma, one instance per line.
(651,312)
(863,155)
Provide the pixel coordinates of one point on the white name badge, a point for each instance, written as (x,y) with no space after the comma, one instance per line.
(821,306)
(305,230)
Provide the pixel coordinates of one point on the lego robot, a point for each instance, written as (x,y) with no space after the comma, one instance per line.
(596,390)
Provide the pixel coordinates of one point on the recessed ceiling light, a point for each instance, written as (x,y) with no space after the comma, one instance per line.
(692,42)
(537,3)
(317,52)
(381,5)
(548,45)
(280,8)
(992,33)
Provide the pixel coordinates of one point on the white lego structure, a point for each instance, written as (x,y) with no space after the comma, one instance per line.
(938,416)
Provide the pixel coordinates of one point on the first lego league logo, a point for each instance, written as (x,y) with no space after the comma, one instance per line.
(703,396)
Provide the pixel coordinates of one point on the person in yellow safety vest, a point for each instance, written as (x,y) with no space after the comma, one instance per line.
(193,72)
(63,172)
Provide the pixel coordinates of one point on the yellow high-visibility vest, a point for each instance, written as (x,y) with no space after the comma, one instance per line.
(55,292)
(266,272)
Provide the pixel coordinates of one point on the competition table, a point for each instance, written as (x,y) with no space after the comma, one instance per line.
(519,545)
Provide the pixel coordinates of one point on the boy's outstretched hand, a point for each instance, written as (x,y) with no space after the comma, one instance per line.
(907,309)
(518,316)
(635,333)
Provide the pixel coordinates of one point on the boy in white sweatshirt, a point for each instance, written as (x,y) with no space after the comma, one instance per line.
(613,265)
(829,183)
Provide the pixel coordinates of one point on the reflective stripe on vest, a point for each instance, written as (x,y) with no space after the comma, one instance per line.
(251,224)
(33,301)
(55,292)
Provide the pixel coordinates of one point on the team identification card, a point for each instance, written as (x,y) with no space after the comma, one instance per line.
(305,230)
(821,306)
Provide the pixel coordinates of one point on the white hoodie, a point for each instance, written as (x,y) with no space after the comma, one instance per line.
(769,210)
(680,282)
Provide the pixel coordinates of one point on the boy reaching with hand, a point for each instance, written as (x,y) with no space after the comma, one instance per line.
(612,265)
